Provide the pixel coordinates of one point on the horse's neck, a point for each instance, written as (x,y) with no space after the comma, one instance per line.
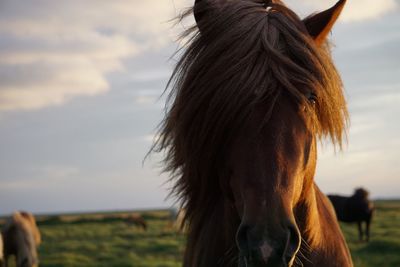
(326,245)
(211,239)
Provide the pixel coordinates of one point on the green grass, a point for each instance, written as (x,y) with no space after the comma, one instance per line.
(96,240)
(105,242)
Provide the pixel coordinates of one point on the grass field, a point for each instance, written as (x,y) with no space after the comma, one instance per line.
(96,240)
(383,250)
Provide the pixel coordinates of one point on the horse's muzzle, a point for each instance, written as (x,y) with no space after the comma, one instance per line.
(260,252)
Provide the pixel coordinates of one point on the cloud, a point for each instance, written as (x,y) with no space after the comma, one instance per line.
(52,51)
(358,10)
(355,10)
(39,84)
(37,177)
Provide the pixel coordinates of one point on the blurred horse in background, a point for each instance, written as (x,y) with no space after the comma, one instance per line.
(355,209)
(21,238)
(1,251)
(253,91)
(136,219)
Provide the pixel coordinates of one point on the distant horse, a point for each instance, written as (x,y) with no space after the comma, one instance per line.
(1,251)
(21,237)
(356,208)
(253,91)
(136,219)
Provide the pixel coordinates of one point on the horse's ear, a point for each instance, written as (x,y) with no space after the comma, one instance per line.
(204,9)
(199,10)
(320,24)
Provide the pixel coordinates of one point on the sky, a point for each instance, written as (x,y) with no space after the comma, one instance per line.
(80,99)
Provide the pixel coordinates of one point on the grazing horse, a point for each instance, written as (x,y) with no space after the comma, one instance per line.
(356,208)
(254,90)
(136,219)
(21,237)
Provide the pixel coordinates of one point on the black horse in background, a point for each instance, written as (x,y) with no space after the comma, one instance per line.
(357,208)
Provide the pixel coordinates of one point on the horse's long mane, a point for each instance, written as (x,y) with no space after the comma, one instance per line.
(244,56)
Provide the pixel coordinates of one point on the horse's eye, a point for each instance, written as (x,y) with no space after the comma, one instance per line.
(312,98)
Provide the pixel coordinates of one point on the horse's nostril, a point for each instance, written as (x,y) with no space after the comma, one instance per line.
(241,238)
(256,249)
(24,262)
(292,245)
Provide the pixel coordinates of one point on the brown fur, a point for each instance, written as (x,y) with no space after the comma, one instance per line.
(21,237)
(240,137)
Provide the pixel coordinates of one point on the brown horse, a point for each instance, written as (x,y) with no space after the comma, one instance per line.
(136,219)
(356,208)
(251,94)
(21,237)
